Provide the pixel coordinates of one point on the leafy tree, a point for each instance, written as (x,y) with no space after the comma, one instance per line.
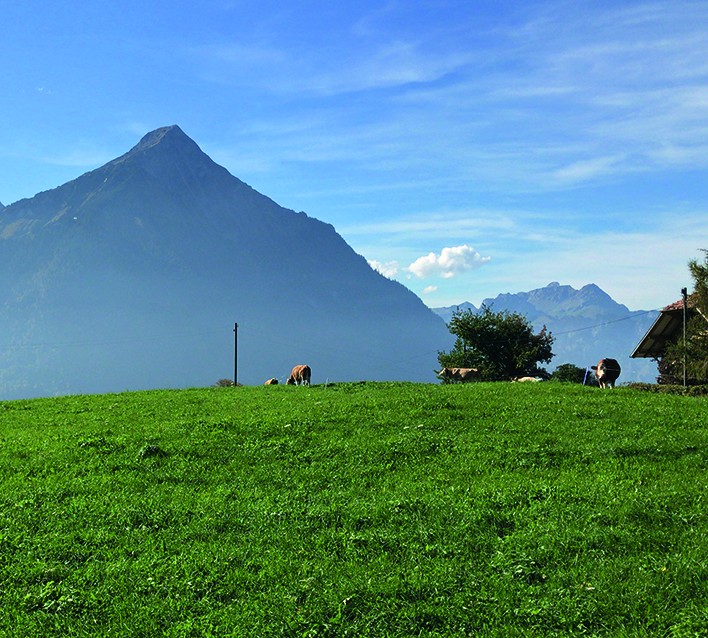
(695,350)
(572,374)
(501,345)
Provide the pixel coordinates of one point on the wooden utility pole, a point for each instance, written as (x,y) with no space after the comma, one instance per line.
(684,295)
(235,354)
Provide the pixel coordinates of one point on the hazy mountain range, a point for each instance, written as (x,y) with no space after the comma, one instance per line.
(587,325)
(133,275)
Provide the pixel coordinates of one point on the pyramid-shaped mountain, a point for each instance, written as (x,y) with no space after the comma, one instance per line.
(133,275)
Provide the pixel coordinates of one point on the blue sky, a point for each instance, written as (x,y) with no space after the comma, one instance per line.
(465,148)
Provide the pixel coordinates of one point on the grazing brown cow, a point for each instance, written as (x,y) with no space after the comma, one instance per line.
(458,375)
(272,381)
(607,372)
(300,376)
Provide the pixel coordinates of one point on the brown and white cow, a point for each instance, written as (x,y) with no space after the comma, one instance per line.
(607,372)
(458,375)
(272,381)
(300,375)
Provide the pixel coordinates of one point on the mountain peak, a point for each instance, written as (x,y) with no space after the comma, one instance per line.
(168,154)
(593,291)
(170,134)
(167,138)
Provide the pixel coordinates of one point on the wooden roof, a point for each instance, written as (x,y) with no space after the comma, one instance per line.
(667,326)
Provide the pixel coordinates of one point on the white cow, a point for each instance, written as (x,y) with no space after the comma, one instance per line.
(459,375)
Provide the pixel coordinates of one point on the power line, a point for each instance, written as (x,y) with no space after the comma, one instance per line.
(108,342)
(605,323)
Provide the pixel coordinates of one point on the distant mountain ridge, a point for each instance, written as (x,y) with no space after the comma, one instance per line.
(133,275)
(587,325)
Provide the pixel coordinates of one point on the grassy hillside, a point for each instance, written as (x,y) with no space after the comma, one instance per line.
(355,510)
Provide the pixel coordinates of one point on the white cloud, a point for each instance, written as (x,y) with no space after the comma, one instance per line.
(429,290)
(450,262)
(387,269)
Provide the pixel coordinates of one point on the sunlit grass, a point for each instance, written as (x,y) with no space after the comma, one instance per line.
(355,510)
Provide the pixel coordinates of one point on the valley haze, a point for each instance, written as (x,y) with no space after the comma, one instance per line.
(132,275)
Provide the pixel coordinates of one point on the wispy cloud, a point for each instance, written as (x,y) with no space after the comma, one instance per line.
(452,223)
(561,96)
(355,64)
(584,170)
(388,269)
(79,157)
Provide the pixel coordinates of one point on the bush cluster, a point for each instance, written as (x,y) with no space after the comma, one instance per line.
(689,391)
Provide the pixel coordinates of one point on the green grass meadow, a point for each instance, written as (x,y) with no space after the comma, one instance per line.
(370,509)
